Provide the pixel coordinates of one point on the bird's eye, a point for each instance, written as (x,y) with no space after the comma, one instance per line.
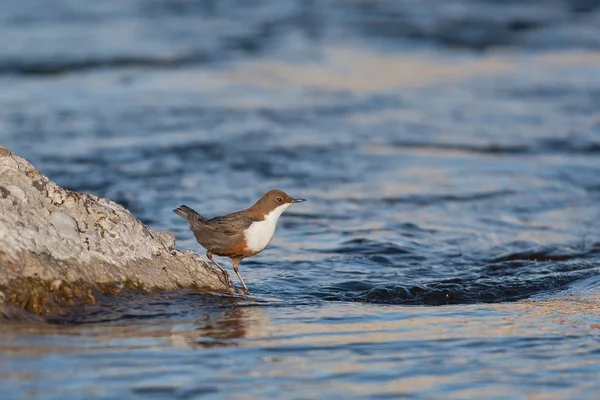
(280,199)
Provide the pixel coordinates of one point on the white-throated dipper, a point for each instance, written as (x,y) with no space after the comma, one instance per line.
(241,234)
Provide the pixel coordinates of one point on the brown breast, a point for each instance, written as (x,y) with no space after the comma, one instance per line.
(237,249)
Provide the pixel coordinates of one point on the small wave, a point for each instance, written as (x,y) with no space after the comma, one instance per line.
(491,148)
(527,251)
(424,200)
(58,67)
(462,291)
(368,247)
(487,24)
(552,145)
(543,254)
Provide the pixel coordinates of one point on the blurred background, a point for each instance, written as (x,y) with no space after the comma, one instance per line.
(449,151)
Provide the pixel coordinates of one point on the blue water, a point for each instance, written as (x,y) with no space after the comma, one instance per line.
(450,155)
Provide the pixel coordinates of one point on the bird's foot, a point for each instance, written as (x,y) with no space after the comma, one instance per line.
(243,291)
(228,280)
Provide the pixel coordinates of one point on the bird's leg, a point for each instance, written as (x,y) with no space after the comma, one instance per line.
(236,263)
(210,257)
(225,274)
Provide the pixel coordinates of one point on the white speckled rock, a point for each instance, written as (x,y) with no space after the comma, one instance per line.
(56,234)
(65,225)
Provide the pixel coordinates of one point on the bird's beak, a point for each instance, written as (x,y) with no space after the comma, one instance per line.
(298,200)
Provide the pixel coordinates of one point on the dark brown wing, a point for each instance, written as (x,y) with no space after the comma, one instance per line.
(231,224)
(223,236)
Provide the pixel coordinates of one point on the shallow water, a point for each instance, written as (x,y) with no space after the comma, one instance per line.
(450,245)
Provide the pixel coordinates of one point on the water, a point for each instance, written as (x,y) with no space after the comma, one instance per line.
(450,155)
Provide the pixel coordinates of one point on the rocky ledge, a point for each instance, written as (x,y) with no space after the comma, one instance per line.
(61,250)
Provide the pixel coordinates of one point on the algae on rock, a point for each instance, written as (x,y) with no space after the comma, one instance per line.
(49,234)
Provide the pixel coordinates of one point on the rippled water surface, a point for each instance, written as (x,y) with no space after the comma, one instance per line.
(450,155)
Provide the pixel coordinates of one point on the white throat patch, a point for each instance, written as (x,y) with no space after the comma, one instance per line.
(259,234)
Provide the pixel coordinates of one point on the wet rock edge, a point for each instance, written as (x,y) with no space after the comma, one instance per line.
(48,269)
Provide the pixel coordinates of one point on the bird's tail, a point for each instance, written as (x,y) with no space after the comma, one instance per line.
(188,214)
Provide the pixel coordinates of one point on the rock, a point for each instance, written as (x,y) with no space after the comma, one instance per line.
(49,234)
(55,285)
(65,224)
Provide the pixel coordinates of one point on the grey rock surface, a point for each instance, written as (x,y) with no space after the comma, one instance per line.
(57,235)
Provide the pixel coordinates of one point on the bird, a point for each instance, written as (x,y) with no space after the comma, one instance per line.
(241,234)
